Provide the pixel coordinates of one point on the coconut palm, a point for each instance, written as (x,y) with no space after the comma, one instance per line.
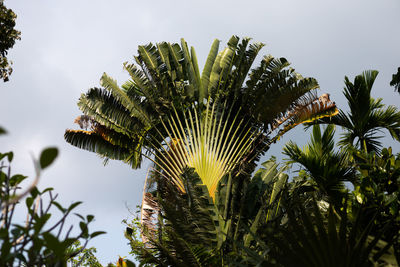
(367,116)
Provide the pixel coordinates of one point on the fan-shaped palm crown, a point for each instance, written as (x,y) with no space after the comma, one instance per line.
(133,120)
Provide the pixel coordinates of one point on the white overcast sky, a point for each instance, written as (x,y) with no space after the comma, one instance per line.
(67,45)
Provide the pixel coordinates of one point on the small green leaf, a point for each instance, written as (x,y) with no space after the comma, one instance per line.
(10,156)
(74,205)
(2,131)
(80,216)
(47,156)
(58,205)
(97,234)
(47,189)
(39,222)
(29,201)
(84,229)
(34,192)
(17,179)
(89,218)
(53,243)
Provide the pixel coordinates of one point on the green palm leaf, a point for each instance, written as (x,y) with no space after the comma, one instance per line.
(205,76)
(311,241)
(95,142)
(204,142)
(329,169)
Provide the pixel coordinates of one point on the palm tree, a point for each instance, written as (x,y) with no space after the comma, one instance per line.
(327,168)
(219,122)
(199,231)
(125,123)
(367,116)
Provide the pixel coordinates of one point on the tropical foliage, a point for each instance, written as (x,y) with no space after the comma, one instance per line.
(219,123)
(373,203)
(126,122)
(196,231)
(314,219)
(366,116)
(203,204)
(315,158)
(276,223)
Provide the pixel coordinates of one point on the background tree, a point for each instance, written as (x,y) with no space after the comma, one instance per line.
(8,36)
(85,257)
(396,80)
(38,241)
(378,189)
(327,168)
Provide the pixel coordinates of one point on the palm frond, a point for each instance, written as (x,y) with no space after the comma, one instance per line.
(205,76)
(311,241)
(191,66)
(306,114)
(244,58)
(273,90)
(204,142)
(102,107)
(367,116)
(148,55)
(130,104)
(329,169)
(267,177)
(222,68)
(99,142)
(139,85)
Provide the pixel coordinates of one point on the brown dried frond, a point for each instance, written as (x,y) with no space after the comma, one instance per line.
(319,109)
(80,131)
(308,106)
(86,122)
